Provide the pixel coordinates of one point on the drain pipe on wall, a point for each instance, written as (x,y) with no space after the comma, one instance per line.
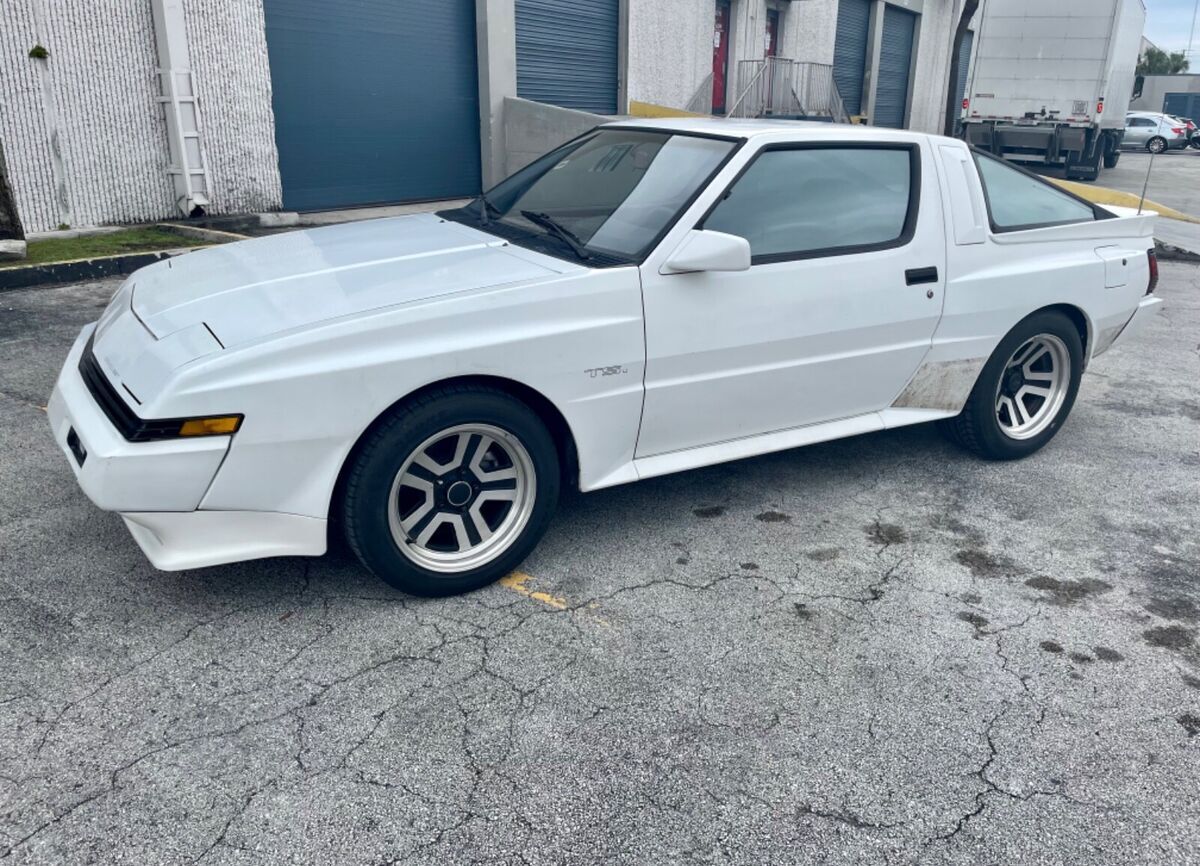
(41,61)
(189,167)
(953,109)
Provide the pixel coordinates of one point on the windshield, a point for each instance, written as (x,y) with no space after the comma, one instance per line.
(614,191)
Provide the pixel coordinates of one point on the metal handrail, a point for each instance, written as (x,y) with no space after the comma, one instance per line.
(782,87)
(701,101)
(762,68)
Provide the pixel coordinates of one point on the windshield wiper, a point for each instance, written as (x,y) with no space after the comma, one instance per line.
(487,210)
(559,231)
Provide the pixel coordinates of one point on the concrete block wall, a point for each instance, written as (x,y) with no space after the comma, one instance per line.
(533,128)
(1156,87)
(84,133)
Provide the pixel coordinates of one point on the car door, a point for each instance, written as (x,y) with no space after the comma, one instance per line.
(1137,130)
(834,314)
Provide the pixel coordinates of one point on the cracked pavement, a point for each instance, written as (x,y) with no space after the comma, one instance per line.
(878,650)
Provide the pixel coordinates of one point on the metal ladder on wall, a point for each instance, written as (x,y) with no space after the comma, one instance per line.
(189,167)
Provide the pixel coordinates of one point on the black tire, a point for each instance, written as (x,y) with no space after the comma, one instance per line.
(978,428)
(1111,158)
(1157,144)
(388,447)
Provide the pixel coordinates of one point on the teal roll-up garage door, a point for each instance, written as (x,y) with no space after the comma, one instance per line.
(374,102)
(850,51)
(895,63)
(567,53)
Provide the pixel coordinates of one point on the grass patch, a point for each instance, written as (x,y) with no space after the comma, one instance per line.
(109,244)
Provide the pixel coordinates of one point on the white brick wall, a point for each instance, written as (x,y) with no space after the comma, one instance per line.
(99,110)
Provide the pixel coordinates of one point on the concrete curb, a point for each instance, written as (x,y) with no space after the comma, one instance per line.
(12,250)
(200,233)
(81,270)
(99,267)
(1103,195)
(1169,253)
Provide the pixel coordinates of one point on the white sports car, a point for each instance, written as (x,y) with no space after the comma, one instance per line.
(649,297)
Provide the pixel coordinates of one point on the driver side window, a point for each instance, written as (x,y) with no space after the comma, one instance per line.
(804,202)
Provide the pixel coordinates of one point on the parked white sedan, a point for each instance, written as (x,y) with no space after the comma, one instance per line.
(649,297)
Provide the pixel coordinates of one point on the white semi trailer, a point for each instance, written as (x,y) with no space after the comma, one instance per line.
(1052,79)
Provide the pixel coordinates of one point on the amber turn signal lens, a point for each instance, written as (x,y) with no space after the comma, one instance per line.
(210,426)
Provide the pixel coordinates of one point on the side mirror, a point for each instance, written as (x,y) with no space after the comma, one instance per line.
(709,251)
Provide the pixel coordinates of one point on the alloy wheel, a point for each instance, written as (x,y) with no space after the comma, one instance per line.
(462,498)
(1032,386)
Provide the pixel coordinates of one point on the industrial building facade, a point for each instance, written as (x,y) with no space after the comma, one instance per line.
(116,111)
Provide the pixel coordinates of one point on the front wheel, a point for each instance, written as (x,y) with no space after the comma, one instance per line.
(1025,391)
(450,492)
(1157,144)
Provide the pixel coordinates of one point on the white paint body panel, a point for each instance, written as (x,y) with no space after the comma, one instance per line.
(313,335)
(174,541)
(788,344)
(118,475)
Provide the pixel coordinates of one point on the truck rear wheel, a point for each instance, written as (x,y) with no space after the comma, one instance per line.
(1111,158)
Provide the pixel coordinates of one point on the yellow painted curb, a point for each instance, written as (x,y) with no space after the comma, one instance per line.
(1104,195)
(649,109)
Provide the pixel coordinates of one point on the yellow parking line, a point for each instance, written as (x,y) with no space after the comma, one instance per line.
(1104,195)
(516,582)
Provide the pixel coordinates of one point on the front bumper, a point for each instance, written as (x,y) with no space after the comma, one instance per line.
(118,475)
(197,539)
(157,486)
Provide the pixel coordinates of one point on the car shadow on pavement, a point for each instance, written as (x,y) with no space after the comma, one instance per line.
(821,476)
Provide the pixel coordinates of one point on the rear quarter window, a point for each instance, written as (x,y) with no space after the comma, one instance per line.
(1017,199)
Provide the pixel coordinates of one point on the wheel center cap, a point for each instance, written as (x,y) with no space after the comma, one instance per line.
(459,493)
(1015,381)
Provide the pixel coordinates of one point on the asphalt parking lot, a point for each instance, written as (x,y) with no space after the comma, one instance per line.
(1171,178)
(878,650)
(1174,177)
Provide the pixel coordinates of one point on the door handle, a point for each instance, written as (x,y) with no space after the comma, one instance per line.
(917,276)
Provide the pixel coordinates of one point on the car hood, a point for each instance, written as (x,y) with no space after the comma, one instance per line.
(251,289)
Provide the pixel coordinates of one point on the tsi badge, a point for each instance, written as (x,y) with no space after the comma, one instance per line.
(614,370)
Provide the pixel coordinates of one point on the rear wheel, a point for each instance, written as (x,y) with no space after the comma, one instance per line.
(1157,144)
(1025,391)
(451,492)
(1111,158)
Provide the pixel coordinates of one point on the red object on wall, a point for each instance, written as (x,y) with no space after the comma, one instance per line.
(720,56)
(772,31)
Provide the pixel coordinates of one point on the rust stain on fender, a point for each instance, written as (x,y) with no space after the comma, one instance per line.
(941,385)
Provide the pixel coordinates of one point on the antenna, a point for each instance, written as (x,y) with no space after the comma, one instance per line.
(1192,34)
(1150,165)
